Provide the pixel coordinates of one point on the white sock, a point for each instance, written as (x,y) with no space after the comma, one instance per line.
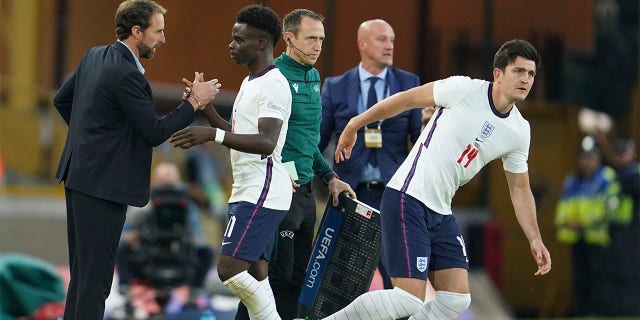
(379,305)
(266,288)
(252,294)
(446,305)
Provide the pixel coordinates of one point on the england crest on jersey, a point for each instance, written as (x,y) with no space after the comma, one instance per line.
(422,263)
(487,129)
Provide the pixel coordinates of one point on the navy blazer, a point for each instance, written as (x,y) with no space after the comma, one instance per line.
(107,104)
(340,103)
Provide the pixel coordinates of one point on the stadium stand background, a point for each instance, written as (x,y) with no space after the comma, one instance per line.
(42,41)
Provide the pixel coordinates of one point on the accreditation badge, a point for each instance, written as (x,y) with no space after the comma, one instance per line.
(373,137)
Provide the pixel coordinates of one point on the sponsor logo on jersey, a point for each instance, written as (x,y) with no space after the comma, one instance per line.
(476,142)
(487,129)
(422,263)
(316,88)
(275,107)
(295,87)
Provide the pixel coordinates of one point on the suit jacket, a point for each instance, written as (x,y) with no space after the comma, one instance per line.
(340,96)
(107,104)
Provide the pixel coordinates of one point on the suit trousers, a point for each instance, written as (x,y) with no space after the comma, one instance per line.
(293,246)
(94,226)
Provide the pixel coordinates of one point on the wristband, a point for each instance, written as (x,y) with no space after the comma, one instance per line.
(328,176)
(219,137)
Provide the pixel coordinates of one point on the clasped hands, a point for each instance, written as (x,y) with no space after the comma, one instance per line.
(200,91)
(196,89)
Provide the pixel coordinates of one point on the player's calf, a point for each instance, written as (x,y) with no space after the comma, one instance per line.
(256,297)
(379,305)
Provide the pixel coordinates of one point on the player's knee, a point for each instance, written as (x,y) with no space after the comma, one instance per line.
(224,275)
(456,302)
(226,271)
(412,307)
(410,303)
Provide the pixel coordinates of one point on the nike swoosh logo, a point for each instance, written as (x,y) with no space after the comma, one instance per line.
(479,140)
(223,243)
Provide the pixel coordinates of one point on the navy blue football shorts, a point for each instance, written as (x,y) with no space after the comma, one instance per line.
(416,240)
(250,231)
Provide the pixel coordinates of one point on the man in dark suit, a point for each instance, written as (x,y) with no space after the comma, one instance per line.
(347,95)
(378,153)
(106,161)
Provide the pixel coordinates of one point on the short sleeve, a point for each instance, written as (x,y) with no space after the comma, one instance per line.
(275,102)
(450,90)
(517,160)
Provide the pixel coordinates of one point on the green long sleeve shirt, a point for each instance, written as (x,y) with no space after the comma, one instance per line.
(301,145)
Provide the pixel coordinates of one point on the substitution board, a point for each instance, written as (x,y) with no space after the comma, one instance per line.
(344,258)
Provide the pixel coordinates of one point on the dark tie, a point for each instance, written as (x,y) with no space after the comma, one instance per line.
(372,98)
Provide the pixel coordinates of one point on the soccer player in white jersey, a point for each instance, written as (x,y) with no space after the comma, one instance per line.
(476,121)
(262,189)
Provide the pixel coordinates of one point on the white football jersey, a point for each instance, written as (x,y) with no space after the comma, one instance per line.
(465,133)
(261,179)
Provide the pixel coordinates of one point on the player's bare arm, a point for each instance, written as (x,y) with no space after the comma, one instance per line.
(214,118)
(525,209)
(417,97)
(264,142)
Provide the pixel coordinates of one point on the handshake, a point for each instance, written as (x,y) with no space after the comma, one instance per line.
(199,92)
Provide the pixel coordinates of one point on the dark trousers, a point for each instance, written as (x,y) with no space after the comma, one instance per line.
(93,231)
(370,194)
(293,246)
(590,280)
(623,274)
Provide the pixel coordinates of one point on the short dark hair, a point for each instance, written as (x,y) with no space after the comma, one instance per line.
(135,13)
(291,22)
(262,18)
(512,49)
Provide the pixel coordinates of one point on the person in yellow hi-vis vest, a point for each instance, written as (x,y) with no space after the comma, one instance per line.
(582,220)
